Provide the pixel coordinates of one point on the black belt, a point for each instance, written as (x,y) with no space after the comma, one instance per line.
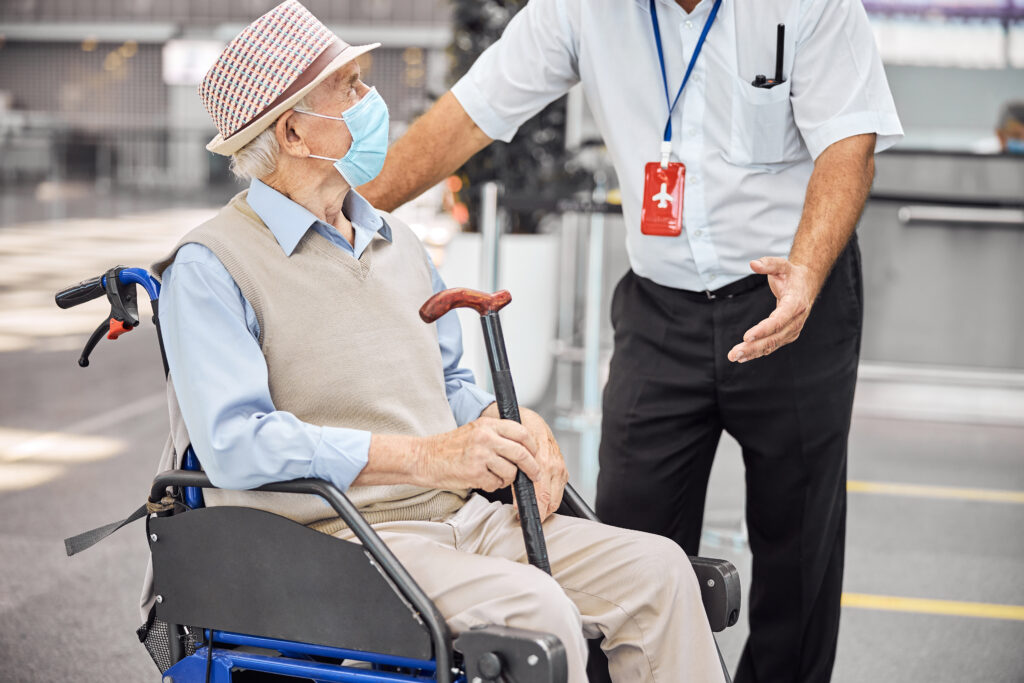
(743,286)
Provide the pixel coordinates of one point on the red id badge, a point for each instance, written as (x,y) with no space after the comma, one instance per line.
(662,211)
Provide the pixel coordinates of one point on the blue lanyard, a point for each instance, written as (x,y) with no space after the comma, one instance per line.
(689,69)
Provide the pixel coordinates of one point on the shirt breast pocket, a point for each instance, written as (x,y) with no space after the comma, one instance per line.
(762,124)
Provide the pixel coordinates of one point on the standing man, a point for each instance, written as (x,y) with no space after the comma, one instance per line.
(728,166)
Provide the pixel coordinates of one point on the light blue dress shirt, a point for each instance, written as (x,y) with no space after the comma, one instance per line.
(211,337)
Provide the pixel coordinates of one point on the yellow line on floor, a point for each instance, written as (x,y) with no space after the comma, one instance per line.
(928,491)
(954,608)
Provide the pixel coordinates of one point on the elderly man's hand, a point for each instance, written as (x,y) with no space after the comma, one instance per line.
(795,288)
(483,454)
(550,483)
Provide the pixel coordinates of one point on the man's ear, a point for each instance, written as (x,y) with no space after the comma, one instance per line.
(289,135)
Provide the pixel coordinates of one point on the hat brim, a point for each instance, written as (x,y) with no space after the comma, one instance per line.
(231,144)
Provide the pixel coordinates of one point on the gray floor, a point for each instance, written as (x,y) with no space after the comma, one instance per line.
(78,448)
(920,548)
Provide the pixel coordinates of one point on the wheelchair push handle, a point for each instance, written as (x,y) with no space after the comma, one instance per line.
(118,284)
(86,290)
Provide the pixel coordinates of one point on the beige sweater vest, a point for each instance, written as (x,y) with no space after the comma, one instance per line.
(321,312)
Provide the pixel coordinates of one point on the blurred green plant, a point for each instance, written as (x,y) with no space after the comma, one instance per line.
(535,163)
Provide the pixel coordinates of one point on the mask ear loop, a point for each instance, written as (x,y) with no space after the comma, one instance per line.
(322,116)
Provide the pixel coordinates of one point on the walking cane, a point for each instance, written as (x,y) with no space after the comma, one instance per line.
(488,305)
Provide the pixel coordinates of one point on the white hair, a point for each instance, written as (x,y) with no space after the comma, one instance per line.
(259,157)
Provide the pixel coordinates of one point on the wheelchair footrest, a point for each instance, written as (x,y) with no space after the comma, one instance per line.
(499,653)
(720,590)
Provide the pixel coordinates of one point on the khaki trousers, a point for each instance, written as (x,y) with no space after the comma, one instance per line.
(637,590)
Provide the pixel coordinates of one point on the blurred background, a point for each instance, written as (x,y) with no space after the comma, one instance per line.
(102,162)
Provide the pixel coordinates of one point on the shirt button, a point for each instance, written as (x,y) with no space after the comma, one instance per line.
(698,232)
(711,278)
(688,24)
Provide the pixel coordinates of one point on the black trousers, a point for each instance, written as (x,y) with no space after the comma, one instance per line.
(671,392)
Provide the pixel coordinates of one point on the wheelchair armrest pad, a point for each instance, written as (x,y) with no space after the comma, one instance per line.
(720,590)
(500,653)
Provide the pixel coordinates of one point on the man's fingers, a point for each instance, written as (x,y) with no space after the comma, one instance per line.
(517,454)
(494,483)
(769,265)
(557,488)
(512,430)
(504,470)
(784,314)
(745,351)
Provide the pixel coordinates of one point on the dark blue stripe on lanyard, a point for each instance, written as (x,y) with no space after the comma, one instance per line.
(689,69)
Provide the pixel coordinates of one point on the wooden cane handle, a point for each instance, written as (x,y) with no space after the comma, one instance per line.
(461,297)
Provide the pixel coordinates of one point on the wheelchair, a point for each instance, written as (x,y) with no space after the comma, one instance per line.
(229,610)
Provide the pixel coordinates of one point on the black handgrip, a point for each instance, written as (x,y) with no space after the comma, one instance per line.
(530,521)
(86,290)
(526,495)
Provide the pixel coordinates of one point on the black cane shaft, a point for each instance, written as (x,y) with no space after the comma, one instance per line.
(508,409)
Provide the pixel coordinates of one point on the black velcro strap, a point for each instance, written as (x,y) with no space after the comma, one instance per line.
(88,539)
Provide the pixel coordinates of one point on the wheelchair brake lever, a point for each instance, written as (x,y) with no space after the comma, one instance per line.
(94,339)
(123,316)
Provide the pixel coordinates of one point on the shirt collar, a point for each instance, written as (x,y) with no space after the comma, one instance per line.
(289,221)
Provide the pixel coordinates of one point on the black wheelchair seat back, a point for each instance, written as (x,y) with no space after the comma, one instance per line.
(246,570)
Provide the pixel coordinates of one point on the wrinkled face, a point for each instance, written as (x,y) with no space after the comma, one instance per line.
(341,91)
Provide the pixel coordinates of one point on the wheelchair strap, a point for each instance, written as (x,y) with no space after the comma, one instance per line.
(88,539)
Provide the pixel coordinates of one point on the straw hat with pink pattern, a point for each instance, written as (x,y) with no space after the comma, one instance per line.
(267,69)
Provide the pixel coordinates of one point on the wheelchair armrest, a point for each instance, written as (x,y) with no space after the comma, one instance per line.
(499,653)
(719,589)
(400,579)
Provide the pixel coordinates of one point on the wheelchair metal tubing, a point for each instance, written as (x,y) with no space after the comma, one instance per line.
(411,591)
(291,648)
(298,668)
(577,505)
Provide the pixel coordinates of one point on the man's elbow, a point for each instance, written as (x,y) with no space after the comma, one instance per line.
(854,152)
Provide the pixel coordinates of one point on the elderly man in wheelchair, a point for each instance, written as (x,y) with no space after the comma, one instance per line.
(298,367)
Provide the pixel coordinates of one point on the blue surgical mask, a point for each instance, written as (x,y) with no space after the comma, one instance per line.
(1015,146)
(367,122)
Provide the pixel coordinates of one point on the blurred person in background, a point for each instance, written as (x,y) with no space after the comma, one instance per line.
(291,329)
(1011,128)
(727,165)
(1008,137)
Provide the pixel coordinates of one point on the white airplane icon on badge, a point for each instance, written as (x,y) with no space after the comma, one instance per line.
(662,197)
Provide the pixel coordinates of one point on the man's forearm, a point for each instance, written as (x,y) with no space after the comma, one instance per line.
(836,193)
(437,144)
(393,459)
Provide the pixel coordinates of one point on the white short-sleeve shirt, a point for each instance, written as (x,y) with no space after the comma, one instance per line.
(749,152)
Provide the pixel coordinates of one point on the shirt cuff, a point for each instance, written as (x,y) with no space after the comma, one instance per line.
(483,115)
(885,125)
(468,401)
(340,456)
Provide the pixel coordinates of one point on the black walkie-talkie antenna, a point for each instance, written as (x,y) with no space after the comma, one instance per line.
(780,47)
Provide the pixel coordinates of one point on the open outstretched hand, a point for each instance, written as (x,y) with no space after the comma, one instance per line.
(795,287)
